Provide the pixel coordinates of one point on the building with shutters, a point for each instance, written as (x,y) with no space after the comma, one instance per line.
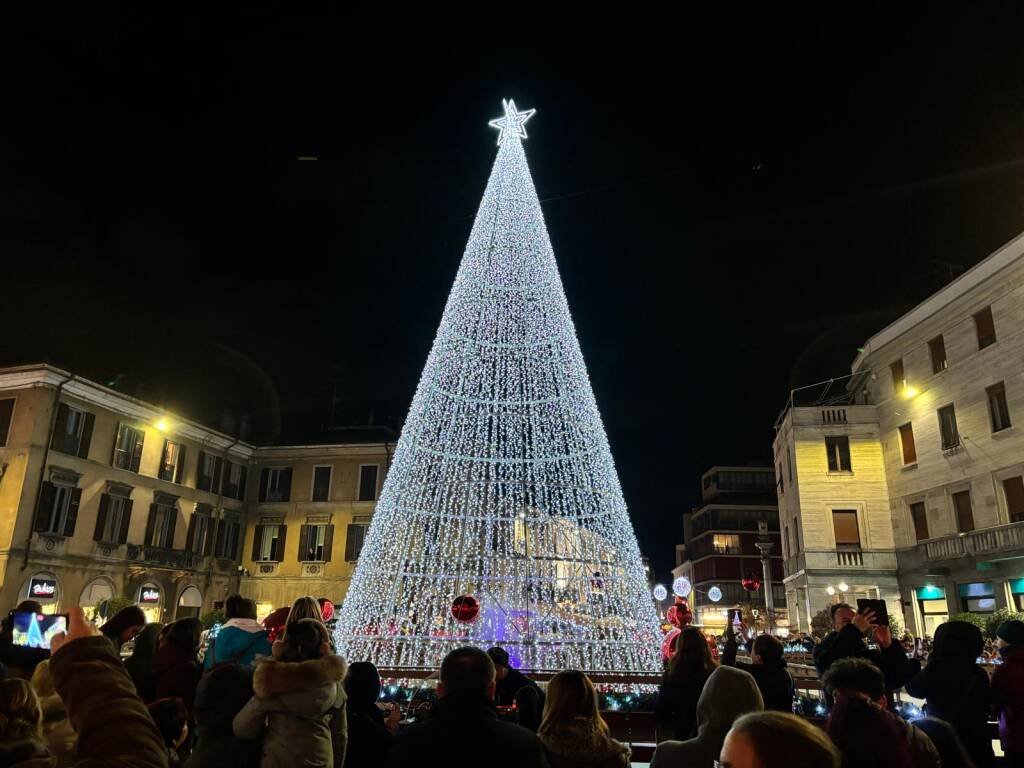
(103,495)
(905,480)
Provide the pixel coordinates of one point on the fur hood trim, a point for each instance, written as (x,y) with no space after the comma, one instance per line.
(273,678)
(580,736)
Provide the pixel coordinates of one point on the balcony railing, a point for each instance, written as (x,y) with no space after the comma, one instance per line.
(168,558)
(998,540)
(842,560)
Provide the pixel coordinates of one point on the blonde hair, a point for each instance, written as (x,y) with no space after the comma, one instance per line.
(571,696)
(21,717)
(304,608)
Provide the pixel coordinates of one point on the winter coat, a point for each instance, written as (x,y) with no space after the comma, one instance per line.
(773,679)
(1008,698)
(728,694)
(369,741)
(299,707)
(240,641)
(580,744)
(942,735)
(516,688)
(27,753)
(220,696)
(675,709)
(115,728)
(849,642)
(140,663)
(176,674)
(58,735)
(463,731)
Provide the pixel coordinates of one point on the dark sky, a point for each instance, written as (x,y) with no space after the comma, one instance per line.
(736,203)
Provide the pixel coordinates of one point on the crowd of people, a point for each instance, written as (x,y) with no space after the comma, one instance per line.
(259,697)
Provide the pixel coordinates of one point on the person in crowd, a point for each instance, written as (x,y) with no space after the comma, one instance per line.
(21,727)
(689,668)
(175,666)
(171,718)
(123,626)
(513,687)
(19,661)
(952,753)
(777,740)
(58,735)
(863,728)
(304,608)
(299,702)
(1008,691)
(847,640)
(956,689)
(463,729)
(371,733)
(767,666)
(275,621)
(241,640)
(220,696)
(728,694)
(140,663)
(572,730)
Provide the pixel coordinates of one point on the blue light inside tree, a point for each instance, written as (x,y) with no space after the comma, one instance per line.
(503,487)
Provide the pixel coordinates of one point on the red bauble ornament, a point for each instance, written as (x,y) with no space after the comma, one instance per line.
(679,613)
(326,609)
(751,583)
(465,608)
(668,645)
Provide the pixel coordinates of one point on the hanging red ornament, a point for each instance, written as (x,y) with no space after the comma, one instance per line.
(751,583)
(465,608)
(679,613)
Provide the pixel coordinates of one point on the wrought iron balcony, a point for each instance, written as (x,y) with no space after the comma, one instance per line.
(167,558)
(982,543)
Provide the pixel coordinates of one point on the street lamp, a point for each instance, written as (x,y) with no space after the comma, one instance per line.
(831,590)
(843,586)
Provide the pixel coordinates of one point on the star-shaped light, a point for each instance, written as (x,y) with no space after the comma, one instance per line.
(513,123)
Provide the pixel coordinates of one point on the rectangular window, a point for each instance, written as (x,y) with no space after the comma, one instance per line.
(269,543)
(321,483)
(920,518)
(997,408)
(315,543)
(234,481)
(72,431)
(172,463)
(354,535)
(838,449)
(57,512)
(789,464)
(937,348)
(844,522)
(781,485)
(200,530)
(899,378)
(907,443)
(226,545)
(6,413)
(986,327)
(128,447)
(368,482)
(947,427)
(113,519)
(275,484)
(964,512)
(726,543)
(1013,487)
(161,524)
(208,472)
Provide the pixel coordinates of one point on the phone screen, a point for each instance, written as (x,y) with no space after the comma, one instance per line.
(735,617)
(35,630)
(878,606)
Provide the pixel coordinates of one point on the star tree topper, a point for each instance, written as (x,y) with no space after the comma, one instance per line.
(513,123)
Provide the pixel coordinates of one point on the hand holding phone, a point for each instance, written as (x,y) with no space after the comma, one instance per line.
(36,630)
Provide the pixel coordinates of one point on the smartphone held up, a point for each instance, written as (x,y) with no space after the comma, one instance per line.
(36,630)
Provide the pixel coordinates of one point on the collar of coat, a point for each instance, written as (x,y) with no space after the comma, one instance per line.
(275,677)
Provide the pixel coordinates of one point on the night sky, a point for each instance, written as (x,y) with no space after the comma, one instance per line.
(735,203)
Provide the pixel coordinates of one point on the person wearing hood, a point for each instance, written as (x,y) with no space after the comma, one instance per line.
(140,663)
(463,729)
(241,639)
(219,697)
(370,734)
(956,689)
(299,702)
(175,666)
(515,688)
(767,666)
(123,626)
(573,732)
(58,734)
(1008,691)
(728,694)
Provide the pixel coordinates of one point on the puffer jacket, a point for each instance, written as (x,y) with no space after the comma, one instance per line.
(59,736)
(240,641)
(580,744)
(299,707)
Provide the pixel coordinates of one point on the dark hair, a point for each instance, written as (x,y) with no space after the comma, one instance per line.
(29,606)
(185,633)
(692,657)
(834,609)
(170,716)
(856,675)
(866,734)
(238,607)
(362,684)
(951,750)
(499,656)
(305,640)
(769,648)
(467,669)
(129,616)
(782,740)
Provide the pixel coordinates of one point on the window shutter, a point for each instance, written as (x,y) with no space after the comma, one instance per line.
(72,518)
(286,481)
(218,539)
(171,526)
(257,540)
(242,477)
(150,525)
(208,544)
(217,463)
(201,483)
(264,479)
(190,537)
(137,450)
(303,543)
(101,517)
(45,507)
(126,520)
(328,543)
(59,428)
(282,538)
(179,471)
(353,541)
(83,445)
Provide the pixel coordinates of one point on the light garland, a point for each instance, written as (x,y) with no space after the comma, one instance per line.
(503,486)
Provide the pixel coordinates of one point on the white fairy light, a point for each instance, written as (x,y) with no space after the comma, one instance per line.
(681,586)
(502,485)
(714,594)
(659,592)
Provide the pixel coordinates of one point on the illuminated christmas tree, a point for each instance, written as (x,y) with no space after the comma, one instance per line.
(502,521)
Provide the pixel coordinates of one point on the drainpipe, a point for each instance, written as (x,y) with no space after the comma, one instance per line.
(42,469)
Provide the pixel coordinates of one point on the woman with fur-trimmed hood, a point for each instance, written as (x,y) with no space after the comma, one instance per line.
(299,705)
(572,730)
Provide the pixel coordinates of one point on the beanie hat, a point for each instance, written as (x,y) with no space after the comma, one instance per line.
(1012,632)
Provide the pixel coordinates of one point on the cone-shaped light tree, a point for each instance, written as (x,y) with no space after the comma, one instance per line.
(502,521)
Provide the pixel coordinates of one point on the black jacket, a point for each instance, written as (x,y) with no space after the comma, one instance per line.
(464,730)
(849,642)
(676,707)
(516,688)
(773,680)
(369,742)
